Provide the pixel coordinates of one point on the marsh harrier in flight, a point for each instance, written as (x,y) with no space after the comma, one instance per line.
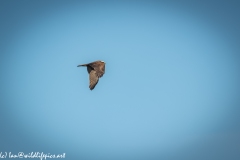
(95,70)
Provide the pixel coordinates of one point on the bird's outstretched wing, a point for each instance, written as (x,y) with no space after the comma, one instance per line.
(89,68)
(93,79)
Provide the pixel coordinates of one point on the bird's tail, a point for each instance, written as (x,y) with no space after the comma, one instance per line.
(82,65)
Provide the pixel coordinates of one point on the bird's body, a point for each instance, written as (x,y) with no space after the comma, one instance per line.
(95,70)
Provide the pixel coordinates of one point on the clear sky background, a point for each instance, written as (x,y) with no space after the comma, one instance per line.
(170,90)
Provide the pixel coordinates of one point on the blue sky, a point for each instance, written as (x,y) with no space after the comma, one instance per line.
(170,90)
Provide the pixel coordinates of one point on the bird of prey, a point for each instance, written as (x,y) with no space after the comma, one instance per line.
(95,70)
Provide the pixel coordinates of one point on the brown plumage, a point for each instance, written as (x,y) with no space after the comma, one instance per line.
(95,70)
